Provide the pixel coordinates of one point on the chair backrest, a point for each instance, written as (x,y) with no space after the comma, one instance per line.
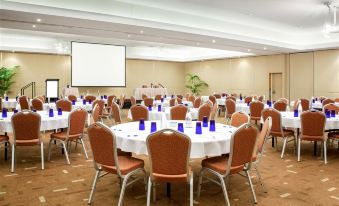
(276,119)
(327,101)
(191,98)
(64,104)
(230,107)
(23,101)
(321,98)
(336,99)
(261,98)
(116,113)
(248,99)
(197,102)
(139,112)
(41,98)
(178,112)
(179,100)
(110,99)
(243,142)
(212,99)
(72,97)
(158,97)
(313,124)
(204,111)
(331,107)
(265,132)
(232,97)
(148,102)
(133,100)
(214,111)
(101,104)
(26,125)
(305,104)
(256,108)
(217,96)
(180,96)
(95,114)
(187,95)
(144,96)
(90,97)
(172,102)
(37,104)
(169,153)
(254,97)
(239,118)
(76,121)
(296,105)
(280,106)
(103,146)
(122,101)
(284,100)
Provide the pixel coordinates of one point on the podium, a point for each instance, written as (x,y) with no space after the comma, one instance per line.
(52,89)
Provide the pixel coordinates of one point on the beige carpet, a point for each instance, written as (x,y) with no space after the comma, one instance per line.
(289,182)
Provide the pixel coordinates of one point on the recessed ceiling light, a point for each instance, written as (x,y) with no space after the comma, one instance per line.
(213,41)
(38,20)
(265,48)
(33,26)
(141,31)
(248,50)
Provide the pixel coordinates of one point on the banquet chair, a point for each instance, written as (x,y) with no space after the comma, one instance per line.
(64,104)
(191,99)
(259,150)
(180,96)
(327,101)
(322,98)
(95,116)
(41,98)
(90,97)
(187,95)
(305,104)
(248,99)
(280,105)
(232,97)
(144,96)
(37,104)
(214,111)
(110,99)
(235,95)
(256,108)
(75,132)
(204,111)
(23,101)
(254,97)
(72,97)
(26,132)
(172,102)
(230,108)
(295,105)
(313,129)
(217,96)
(239,118)
(197,102)
(179,100)
(102,111)
(277,130)
(148,102)
(158,97)
(261,98)
(4,139)
(284,100)
(212,99)
(169,155)
(331,107)
(178,112)
(116,113)
(133,100)
(243,142)
(336,100)
(122,101)
(139,112)
(108,161)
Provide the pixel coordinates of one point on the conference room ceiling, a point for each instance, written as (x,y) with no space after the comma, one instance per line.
(251,27)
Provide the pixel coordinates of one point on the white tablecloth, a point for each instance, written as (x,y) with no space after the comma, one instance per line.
(150,92)
(242,107)
(165,103)
(164,114)
(222,101)
(319,105)
(130,139)
(47,123)
(10,104)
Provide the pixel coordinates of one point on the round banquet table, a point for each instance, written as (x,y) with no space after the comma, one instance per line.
(242,107)
(10,104)
(47,106)
(164,114)
(130,139)
(47,123)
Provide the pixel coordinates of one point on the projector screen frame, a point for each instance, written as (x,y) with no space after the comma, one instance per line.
(99,44)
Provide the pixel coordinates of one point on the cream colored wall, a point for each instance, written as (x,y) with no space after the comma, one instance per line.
(39,67)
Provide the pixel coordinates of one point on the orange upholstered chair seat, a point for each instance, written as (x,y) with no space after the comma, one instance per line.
(27,142)
(63,135)
(4,138)
(172,178)
(220,165)
(126,165)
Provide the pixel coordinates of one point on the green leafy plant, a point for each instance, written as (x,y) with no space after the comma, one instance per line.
(195,84)
(6,78)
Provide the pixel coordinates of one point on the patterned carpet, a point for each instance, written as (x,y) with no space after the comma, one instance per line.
(308,182)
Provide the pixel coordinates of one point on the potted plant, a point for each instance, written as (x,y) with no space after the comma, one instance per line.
(6,78)
(195,84)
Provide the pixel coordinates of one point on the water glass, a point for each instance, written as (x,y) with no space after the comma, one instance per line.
(4,113)
(313,101)
(73,102)
(15,111)
(102,97)
(333,113)
(51,113)
(159,108)
(59,111)
(6,98)
(212,125)
(141,124)
(90,101)
(81,97)
(204,121)
(198,129)
(105,96)
(84,101)
(149,108)
(153,127)
(162,99)
(181,127)
(296,113)
(328,113)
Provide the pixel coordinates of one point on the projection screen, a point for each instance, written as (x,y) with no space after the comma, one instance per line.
(98,65)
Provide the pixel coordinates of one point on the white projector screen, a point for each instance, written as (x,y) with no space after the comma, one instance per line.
(98,65)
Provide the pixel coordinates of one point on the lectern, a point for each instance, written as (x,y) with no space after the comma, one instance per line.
(52,89)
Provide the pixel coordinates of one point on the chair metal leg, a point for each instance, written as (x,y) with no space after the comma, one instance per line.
(83,146)
(200,182)
(154,192)
(223,186)
(251,185)
(6,150)
(325,152)
(149,187)
(260,179)
(122,192)
(299,149)
(49,149)
(191,190)
(284,146)
(13,158)
(93,187)
(66,153)
(42,155)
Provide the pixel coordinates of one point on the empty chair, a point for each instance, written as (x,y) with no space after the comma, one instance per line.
(139,112)
(37,104)
(122,101)
(26,132)
(261,98)
(191,99)
(106,159)
(322,98)
(248,100)
(148,102)
(72,97)
(204,111)
(178,112)
(179,101)
(180,96)
(144,96)
(110,99)
(331,107)
(295,105)
(23,101)
(217,96)
(256,108)
(64,104)
(305,104)
(41,98)
(242,144)
(90,97)
(212,99)
(327,101)
(313,129)
(133,100)
(172,102)
(239,118)
(116,113)
(234,95)
(230,108)
(214,111)
(187,95)
(231,97)
(254,97)
(169,154)
(280,106)
(284,100)
(101,104)
(75,132)
(277,130)
(197,102)
(158,97)
(95,117)
(336,99)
